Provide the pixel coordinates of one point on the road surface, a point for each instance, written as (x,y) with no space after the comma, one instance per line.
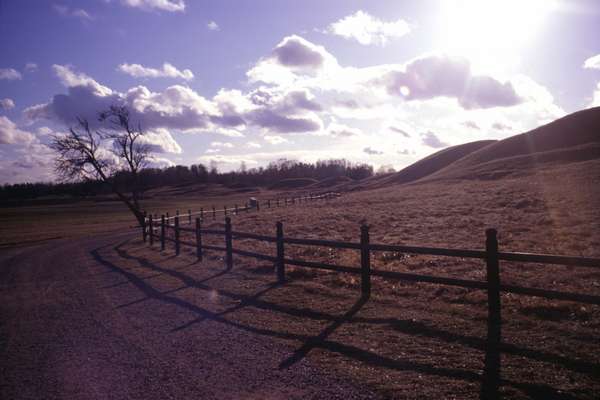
(65,335)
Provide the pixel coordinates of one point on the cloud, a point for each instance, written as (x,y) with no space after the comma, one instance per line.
(434,76)
(592,62)
(31,67)
(253,145)
(10,74)
(162,5)
(66,11)
(471,125)
(181,108)
(167,71)
(6,104)
(400,131)
(226,145)
(295,51)
(293,57)
(368,30)
(10,134)
(372,151)
(275,140)
(160,140)
(430,139)
(70,78)
(341,131)
(596,97)
(499,126)
(213,26)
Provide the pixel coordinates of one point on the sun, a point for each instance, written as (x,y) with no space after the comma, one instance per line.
(490,31)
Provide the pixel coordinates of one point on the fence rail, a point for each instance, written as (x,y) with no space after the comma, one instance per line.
(235,210)
(491,255)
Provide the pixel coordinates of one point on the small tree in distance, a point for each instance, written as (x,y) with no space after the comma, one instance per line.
(98,154)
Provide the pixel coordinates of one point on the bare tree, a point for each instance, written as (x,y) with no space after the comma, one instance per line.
(98,154)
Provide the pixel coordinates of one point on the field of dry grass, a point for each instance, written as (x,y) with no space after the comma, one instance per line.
(410,340)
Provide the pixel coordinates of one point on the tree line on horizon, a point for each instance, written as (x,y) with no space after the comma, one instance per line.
(149,178)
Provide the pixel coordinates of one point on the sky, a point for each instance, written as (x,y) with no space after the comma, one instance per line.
(378,82)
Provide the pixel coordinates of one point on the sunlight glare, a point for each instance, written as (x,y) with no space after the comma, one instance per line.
(491,31)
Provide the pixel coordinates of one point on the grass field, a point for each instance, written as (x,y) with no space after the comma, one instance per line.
(410,340)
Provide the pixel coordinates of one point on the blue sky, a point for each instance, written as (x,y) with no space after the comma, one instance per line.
(383,82)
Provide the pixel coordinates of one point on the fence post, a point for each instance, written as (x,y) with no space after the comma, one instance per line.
(202,213)
(491,372)
(198,240)
(168,223)
(225,209)
(236,209)
(365,262)
(228,243)
(269,203)
(247,208)
(214,212)
(280,254)
(162,232)
(177,246)
(278,202)
(151,230)
(144,226)
(257,206)
(190,217)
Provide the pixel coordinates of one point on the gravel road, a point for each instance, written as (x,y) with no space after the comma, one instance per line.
(63,335)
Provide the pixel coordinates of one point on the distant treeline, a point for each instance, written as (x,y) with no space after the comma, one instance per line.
(198,173)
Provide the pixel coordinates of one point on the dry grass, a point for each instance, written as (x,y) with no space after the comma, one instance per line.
(410,340)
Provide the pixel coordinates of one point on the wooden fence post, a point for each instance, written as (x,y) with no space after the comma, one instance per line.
(144,227)
(491,373)
(202,213)
(198,240)
(190,217)
(162,232)
(214,212)
(236,209)
(365,262)
(280,266)
(257,206)
(177,244)
(168,223)
(247,208)
(269,203)
(225,209)
(228,243)
(151,230)
(278,202)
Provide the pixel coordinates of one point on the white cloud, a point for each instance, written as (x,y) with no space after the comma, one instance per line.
(253,145)
(6,104)
(10,134)
(342,131)
(592,62)
(275,139)
(167,71)
(31,67)
(596,98)
(367,30)
(10,74)
(160,140)
(67,11)
(225,145)
(70,78)
(213,26)
(162,5)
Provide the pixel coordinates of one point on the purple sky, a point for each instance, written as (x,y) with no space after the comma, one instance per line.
(383,82)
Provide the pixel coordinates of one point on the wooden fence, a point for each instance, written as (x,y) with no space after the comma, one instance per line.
(491,256)
(213,211)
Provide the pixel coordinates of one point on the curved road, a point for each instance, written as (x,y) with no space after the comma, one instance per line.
(63,336)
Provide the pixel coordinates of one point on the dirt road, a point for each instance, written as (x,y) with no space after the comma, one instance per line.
(67,331)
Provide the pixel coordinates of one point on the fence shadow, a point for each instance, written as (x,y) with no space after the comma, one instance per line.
(490,381)
(318,340)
